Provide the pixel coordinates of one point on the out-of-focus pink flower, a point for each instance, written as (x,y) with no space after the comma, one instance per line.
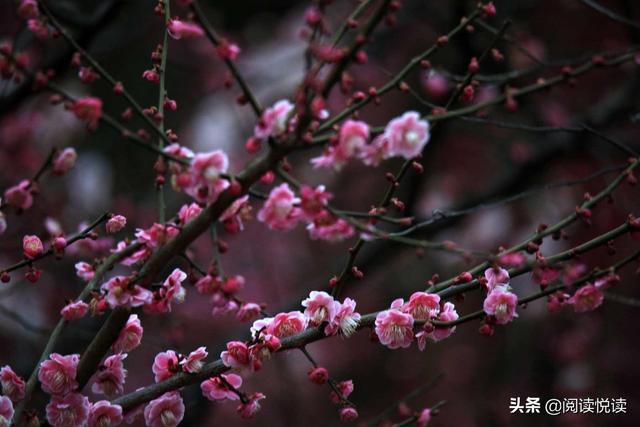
(74,310)
(287,324)
(216,389)
(318,375)
(422,305)
(394,328)
(251,408)
(6,411)
(329,228)
(135,258)
(32,246)
(543,275)
(348,414)
(514,259)
(193,362)
(279,211)
(19,196)
(346,319)
(345,388)
(64,161)
(157,235)
(3,224)
(208,284)
(28,9)
(104,414)
(501,304)
(352,138)
(248,311)
(57,375)
(435,85)
(556,301)
(109,379)
(115,224)
(572,272)
(12,384)
(38,28)
(496,276)
(165,365)
(183,30)
(423,418)
(313,200)
(587,298)
(202,181)
(407,135)
(273,121)
(121,293)
(232,217)
(88,109)
(227,50)
(188,212)
(319,307)
(71,410)
(130,336)
(374,153)
(165,411)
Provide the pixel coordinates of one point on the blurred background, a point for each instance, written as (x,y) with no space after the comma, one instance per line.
(466,163)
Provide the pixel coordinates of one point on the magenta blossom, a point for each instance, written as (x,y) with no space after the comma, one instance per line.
(394,328)
(193,362)
(203,180)
(171,290)
(501,304)
(287,324)
(32,247)
(319,307)
(279,211)
(20,196)
(12,385)
(423,417)
(85,271)
(64,161)
(313,201)
(237,356)
(74,310)
(188,212)
(71,410)
(447,314)
(57,375)
(407,135)
(346,319)
(248,311)
(179,29)
(165,411)
(217,389)
(130,336)
(115,224)
(88,109)
(329,228)
(165,365)
(6,411)
(104,414)
(422,305)
(587,298)
(352,138)
(495,277)
(109,379)
(249,409)
(273,121)
(122,293)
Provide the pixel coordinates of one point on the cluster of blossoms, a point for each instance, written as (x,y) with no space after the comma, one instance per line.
(283,210)
(404,136)
(223,292)
(395,327)
(500,303)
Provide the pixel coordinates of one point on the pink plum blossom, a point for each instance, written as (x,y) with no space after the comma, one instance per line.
(237,356)
(348,414)
(130,336)
(208,284)
(514,259)
(64,161)
(188,212)
(122,293)
(12,385)
(227,50)
(193,362)
(110,377)
(28,9)
(71,410)
(496,276)
(273,121)
(165,411)
(3,222)
(329,228)
(251,408)
(345,320)
(203,179)
(165,365)
(6,411)
(313,201)
(378,150)
(345,388)
(248,311)
(32,246)
(104,414)
(85,271)
(279,211)
(422,305)
(394,328)
(423,417)
(179,29)
(115,224)
(447,314)
(587,298)
(232,217)
(171,290)
(287,324)
(216,389)
(57,375)
(501,304)
(156,235)
(20,196)
(352,137)
(88,109)
(74,310)
(407,135)
(319,307)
